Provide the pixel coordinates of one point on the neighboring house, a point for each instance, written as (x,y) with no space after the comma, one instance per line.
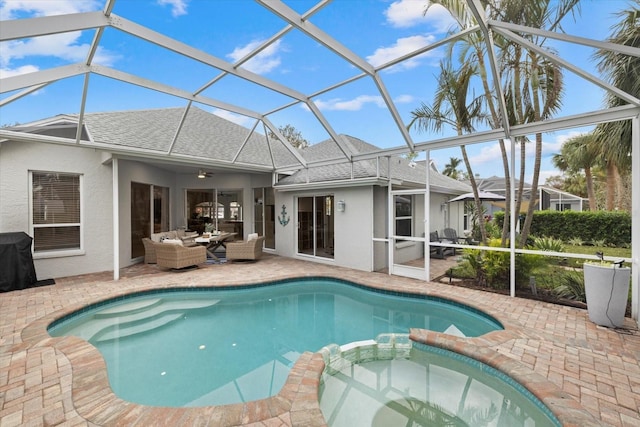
(125,175)
(548,198)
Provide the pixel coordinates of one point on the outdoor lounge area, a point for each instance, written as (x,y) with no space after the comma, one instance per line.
(556,348)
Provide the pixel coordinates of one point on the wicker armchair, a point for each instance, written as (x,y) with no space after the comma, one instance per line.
(245,249)
(178,256)
(149,251)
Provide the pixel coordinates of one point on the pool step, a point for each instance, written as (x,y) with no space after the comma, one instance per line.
(128,308)
(158,322)
(154,317)
(137,317)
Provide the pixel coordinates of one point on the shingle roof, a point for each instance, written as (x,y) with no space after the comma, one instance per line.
(213,138)
(202,134)
(400,169)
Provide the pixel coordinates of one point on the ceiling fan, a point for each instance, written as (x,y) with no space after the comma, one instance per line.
(203,174)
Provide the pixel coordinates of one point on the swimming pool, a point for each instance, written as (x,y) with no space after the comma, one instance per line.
(395,382)
(214,346)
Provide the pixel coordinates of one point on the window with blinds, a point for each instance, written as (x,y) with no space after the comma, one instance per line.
(55,213)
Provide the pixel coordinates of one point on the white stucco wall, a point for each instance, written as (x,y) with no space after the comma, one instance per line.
(17,159)
(353,227)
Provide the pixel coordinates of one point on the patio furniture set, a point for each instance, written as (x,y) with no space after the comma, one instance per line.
(178,249)
(450,236)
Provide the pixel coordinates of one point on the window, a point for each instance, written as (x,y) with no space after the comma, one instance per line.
(563,206)
(55,211)
(404,216)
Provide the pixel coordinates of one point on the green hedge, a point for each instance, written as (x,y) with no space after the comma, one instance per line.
(614,228)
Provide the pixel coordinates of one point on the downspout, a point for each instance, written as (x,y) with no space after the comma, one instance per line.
(116,219)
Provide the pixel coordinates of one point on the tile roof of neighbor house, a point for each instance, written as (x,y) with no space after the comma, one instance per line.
(400,169)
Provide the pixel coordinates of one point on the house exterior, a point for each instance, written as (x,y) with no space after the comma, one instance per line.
(548,198)
(88,196)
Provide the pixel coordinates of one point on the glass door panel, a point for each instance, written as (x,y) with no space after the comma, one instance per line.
(316,226)
(140,217)
(200,209)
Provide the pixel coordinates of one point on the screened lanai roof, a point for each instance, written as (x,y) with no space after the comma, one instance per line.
(266,64)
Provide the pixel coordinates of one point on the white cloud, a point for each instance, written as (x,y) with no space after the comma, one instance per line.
(64,46)
(401,47)
(25,69)
(409,13)
(233,117)
(263,62)
(404,99)
(405,13)
(178,7)
(338,104)
(12,9)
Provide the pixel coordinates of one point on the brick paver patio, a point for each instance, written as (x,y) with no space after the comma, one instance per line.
(588,375)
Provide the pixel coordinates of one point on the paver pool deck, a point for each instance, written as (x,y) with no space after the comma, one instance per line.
(587,374)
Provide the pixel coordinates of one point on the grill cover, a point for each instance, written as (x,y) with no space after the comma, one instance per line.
(16,263)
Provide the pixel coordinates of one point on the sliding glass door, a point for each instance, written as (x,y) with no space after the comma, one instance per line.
(149,214)
(315,226)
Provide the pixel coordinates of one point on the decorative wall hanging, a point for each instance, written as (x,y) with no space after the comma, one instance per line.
(284,220)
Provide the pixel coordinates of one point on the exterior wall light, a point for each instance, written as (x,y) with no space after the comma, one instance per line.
(340,205)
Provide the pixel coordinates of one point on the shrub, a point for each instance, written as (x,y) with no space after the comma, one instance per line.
(548,244)
(491,268)
(570,285)
(576,241)
(614,228)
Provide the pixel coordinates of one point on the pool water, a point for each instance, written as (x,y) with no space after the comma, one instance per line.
(213,346)
(420,385)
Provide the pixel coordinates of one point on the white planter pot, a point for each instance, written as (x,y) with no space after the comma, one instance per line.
(607,291)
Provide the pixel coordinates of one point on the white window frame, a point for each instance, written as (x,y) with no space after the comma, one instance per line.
(60,252)
(404,218)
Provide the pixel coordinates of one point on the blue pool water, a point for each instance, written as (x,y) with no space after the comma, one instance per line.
(422,385)
(213,346)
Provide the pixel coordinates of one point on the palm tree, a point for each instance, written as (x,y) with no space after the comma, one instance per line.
(451,168)
(532,84)
(623,71)
(473,52)
(580,152)
(451,107)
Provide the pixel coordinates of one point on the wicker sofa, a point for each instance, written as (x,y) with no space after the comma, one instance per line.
(250,249)
(186,237)
(178,256)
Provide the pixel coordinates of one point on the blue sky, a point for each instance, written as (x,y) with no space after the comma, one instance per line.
(376,30)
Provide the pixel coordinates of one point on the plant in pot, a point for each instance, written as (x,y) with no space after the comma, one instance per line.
(606,286)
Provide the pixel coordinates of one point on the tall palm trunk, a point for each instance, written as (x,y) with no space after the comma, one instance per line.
(591,194)
(476,196)
(503,151)
(611,184)
(534,191)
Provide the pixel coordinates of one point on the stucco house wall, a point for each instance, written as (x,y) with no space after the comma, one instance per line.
(17,159)
(352,232)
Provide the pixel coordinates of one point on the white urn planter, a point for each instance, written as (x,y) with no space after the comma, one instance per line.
(607,290)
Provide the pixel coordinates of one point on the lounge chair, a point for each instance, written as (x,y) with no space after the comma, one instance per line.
(250,249)
(439,252)
(452,235)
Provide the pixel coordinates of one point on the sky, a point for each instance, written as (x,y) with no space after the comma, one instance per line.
(376,30)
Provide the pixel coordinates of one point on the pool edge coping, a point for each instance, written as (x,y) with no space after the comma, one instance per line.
(95,401)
